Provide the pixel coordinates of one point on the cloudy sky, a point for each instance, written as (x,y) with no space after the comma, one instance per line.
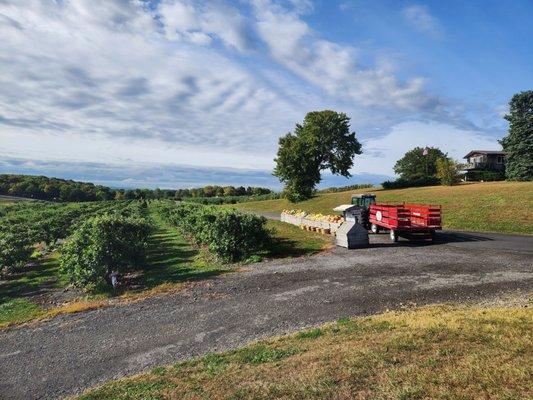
(177,93)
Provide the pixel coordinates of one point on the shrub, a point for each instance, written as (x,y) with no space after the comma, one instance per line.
(401,183)
(230,234)
(102,245)
(15,250)
(486,176)
(447,171)
(235,236)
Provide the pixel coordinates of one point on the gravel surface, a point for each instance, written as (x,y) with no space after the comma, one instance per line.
(70,353)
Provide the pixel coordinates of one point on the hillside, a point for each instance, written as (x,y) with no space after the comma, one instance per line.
(505,207)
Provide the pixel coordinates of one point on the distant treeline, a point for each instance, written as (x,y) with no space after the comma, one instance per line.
(63,190)
(345,188)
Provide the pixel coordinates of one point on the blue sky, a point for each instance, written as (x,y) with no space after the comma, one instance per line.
(179,93)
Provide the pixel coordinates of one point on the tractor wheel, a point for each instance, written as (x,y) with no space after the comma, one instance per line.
(374,228)
(393,235)
(433,235)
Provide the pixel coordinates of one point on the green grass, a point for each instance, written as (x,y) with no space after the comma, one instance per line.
(18,310)
(291,241)
(439,352)
(490,207)
(172,259)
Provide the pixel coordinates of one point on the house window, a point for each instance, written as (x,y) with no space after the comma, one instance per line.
(499,160)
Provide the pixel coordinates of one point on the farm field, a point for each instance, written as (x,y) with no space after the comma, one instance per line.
(437,352)
(39,290)
(505,207)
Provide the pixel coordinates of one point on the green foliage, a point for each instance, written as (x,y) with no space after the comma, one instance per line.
(402,183)
(62,190)
(15,250)
(322,142)
(336,189)
(519,142)
(231,199)
(415,165)
(485,176)
(447,171)
(230,234)
(101,245)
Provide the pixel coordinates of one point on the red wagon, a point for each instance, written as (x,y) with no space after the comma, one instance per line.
(414,221)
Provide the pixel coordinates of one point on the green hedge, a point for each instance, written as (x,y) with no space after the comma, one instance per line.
(401,183)
(102,245)
(486,176)
(230,234)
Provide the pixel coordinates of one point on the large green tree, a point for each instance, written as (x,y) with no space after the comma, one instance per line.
(519,142)
(323,141)
(419,163)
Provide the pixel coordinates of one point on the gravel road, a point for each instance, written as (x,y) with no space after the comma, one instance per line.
(70,353)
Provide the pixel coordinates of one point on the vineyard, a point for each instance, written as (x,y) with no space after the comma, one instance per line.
(52,255)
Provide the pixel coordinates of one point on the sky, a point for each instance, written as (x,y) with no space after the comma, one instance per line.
(182,93)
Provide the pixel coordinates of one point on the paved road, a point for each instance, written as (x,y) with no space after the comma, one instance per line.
(70,353)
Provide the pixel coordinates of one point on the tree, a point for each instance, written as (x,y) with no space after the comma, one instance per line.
(447,171)
(518,144)
(323,141)
(419,163)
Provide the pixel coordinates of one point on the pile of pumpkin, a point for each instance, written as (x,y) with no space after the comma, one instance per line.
(295,213)
(326,218)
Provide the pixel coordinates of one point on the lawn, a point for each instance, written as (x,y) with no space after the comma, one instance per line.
(438,352)
(505,207)
(291,241)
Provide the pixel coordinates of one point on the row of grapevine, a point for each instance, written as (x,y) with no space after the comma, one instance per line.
(230,234)
(23,225)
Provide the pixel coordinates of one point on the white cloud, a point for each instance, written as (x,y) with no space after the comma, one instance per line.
(196,21)
(419,18)
(117,82)
(334,67)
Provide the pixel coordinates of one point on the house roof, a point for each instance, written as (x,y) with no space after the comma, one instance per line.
(498,153)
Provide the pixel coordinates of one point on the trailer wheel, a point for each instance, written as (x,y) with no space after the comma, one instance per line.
(433,235)
(393,235)
(374,228)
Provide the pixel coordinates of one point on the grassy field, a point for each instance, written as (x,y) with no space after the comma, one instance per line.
(37,291)
(439,352)
(291,241)
(491,206)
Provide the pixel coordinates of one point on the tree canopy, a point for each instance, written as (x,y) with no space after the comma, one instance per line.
(519,141)
(64,190)
(323,141)
(419,163)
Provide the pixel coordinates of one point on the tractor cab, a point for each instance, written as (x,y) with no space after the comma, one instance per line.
(363,200)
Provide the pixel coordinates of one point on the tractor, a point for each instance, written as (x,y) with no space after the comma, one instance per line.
(359,210)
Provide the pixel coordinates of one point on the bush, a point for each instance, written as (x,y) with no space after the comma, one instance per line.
(401,183)
(102,245)
(448,171)
(486,176)
(230,234)
(15,251)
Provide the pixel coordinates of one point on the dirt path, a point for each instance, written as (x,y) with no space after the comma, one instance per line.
(70,353)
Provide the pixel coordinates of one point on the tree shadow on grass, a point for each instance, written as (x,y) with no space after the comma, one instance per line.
(171,259)
(31,281)
(283,247)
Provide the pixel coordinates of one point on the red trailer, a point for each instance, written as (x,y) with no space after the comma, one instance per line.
(414,221)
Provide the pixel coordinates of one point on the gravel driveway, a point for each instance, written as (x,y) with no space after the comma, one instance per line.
(70,353)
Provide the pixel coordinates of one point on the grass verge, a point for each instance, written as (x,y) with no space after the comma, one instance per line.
(491,206)
(438,352)
(291,241)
